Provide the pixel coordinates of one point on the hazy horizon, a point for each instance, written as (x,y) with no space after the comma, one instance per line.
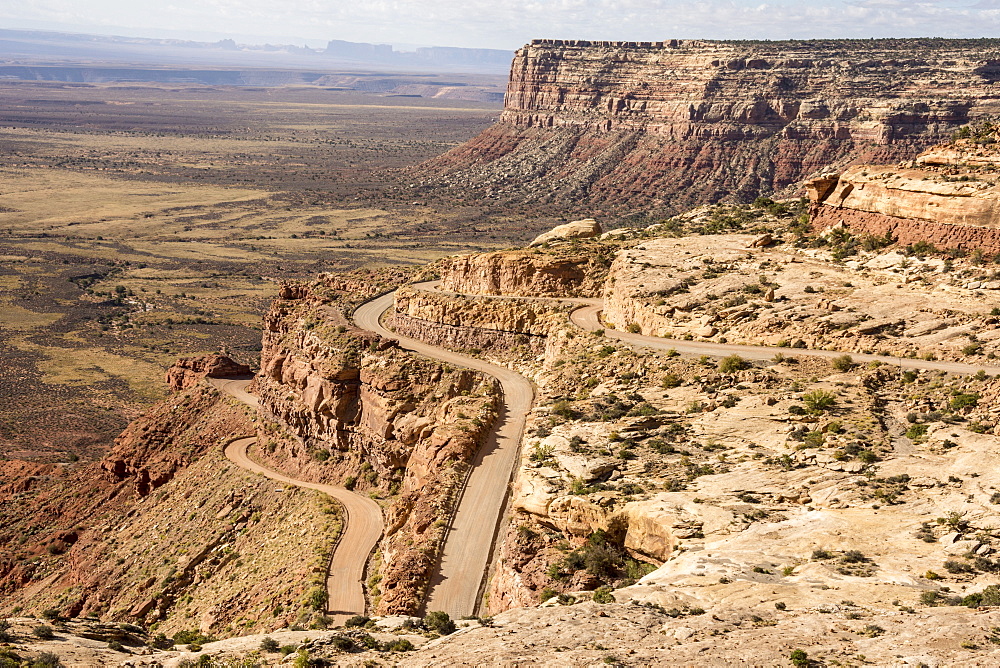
(486,24)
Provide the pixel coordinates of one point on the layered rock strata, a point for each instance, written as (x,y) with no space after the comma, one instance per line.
(949,197)
(561,272)
(459,322)
(671,125)
(359,411)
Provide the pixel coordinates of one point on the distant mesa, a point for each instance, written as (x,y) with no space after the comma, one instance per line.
(670,125)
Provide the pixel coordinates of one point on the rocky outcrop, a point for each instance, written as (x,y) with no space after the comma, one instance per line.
(670,125)
(188,371)
(359,411)
(948,197)
(170,436)
(578,229)
(562,272)
(501,326)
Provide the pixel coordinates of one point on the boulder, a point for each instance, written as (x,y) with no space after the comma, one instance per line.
(186,372)
(578,229)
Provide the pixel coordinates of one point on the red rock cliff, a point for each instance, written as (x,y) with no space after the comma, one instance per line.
(670,125)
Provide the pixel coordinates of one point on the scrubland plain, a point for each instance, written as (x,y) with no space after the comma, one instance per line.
(142,222)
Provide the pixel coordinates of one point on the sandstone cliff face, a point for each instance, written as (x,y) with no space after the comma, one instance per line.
(503,327)
(674,124)
(561,272)
(949,197)
(187,372)
(361,412)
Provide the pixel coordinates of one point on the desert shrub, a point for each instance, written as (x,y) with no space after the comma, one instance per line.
(356,620)
(116,646)
(46,660)
(400,645)
(43,631)
(603,595)
(921,248)
(853,557)
(316,598)
(191,638)
(916,431)
(563,408)
(732,364)
(799,658)
(958,567)
(5,632)
(269,645)
(872,631)
(818,401)
(961,401)
(842,363)
(822,554)
(671,380)
(439,622)
(341,643)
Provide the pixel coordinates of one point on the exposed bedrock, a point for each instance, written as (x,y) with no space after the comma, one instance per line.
(670,125)
(361,412)
(559,272)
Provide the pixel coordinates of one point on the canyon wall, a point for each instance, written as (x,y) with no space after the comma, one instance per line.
(564,271)
(350,408)
(949,196)
(607,126)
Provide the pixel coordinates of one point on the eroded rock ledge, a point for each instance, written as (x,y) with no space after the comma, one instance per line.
(671,124)
(367,415)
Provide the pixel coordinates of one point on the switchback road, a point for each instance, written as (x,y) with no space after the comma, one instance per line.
(362,520)
(457,588)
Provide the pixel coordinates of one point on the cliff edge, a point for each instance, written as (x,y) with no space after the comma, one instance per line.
(671,125)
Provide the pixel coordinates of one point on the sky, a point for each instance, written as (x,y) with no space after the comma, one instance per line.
(504,24)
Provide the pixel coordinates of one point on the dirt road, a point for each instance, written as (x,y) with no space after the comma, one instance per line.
(362,521)
(458,587)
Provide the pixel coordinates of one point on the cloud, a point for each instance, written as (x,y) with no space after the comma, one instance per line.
(510,23)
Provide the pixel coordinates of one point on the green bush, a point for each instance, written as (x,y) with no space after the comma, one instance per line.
(400,645)
(356,620)
(958,567)
(842,363)
(116,646)
(961,401)
(43,631)
(603,595)
(46,660)
(191,638)
(269,645)
(671,380)
(5,633)
(818,401)
(439,622)
(732,364)
(341,643)
(916,431)
(316,598)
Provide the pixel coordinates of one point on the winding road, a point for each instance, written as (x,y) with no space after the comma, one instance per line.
(458,587)
(361,520)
